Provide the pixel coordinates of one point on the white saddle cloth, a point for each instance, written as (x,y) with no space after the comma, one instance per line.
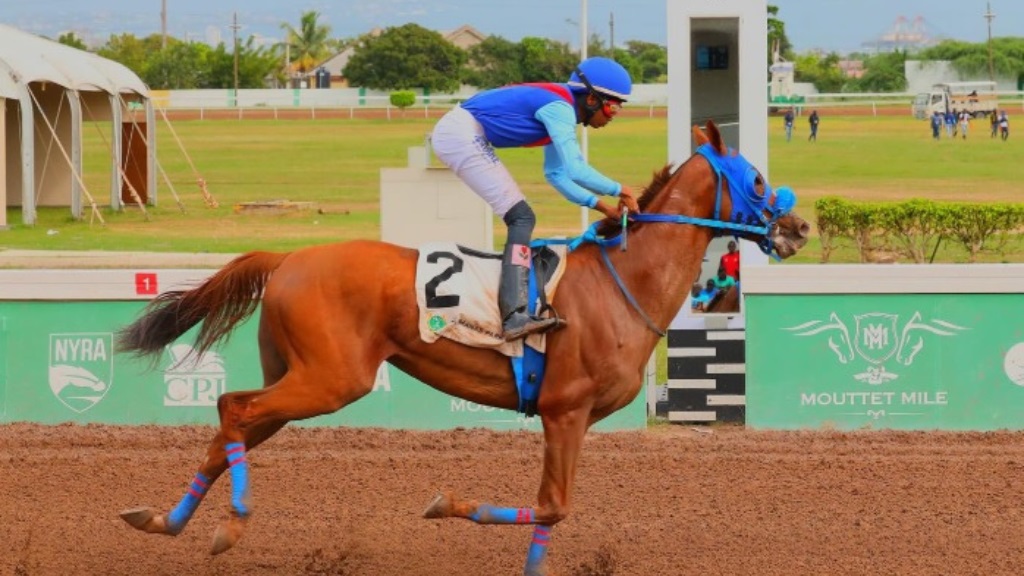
(457,294)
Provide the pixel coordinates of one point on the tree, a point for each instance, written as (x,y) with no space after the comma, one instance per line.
(179,66)
(544,60)
(822,71)
(777,36)
(493,62)
(651,61)
(883,72)
(131,51)
(404,57)
(71,39)
(309,44)
(255,65)
(972,59)
(596,46)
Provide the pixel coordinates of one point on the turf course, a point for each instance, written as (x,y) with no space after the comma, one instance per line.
(336,164)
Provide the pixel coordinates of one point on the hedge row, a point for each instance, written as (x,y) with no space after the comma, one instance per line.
(915,228)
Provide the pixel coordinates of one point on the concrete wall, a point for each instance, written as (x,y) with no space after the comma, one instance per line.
(425,202)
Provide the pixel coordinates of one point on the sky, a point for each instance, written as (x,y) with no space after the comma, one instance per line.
(830,25)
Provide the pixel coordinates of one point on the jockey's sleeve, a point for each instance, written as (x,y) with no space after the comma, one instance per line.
(564,167)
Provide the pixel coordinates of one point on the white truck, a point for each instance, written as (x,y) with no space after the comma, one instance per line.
(978,98)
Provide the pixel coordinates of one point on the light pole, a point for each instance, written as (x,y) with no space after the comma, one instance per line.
(163,24)
(234,31)
(990,16)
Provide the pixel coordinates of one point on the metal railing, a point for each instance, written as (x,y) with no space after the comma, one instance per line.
(651,99)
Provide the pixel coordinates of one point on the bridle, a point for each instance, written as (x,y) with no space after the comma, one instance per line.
(752,213)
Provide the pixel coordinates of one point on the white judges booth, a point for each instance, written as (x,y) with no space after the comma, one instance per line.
(717,70)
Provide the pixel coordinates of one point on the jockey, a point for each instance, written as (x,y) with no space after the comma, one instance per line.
(522,115)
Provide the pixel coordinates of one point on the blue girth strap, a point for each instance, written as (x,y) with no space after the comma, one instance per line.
(529,368)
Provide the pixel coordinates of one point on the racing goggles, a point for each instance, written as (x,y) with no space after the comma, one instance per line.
(610,107)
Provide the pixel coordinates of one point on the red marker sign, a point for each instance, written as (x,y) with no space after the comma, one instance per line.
(145,283)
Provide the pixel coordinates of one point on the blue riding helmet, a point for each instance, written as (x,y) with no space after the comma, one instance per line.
(606,77)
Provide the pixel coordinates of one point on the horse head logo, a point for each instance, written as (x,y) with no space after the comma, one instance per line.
(839,335)
(876,339)
(911,341)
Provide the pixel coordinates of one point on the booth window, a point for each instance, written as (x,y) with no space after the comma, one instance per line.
(712,57)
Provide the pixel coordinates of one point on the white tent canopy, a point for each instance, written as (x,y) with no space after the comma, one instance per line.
(44,87)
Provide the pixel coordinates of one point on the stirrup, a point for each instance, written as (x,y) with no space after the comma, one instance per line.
(515,327)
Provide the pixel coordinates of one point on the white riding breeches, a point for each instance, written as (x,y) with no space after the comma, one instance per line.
(459,141)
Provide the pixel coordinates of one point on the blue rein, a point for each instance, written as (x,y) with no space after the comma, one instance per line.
(752,213)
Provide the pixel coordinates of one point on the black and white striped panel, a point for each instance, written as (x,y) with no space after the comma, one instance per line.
(707,375)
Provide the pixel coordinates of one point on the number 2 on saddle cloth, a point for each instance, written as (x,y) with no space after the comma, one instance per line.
(456,290)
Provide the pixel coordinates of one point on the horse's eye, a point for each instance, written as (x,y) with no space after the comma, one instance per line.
(756,181)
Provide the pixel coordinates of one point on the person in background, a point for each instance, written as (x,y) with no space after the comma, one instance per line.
(994,121)
(788,123)
(813,120)
(1004,125)
(698,301)
(950,118)
(523,115)
(965,123)
(936,124)
(730,261)
(723,281)
(710,293)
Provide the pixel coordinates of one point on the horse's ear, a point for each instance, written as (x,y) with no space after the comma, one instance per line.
(715,137)
(699,137)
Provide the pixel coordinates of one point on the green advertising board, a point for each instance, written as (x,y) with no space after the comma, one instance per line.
(905,361)
(58,365)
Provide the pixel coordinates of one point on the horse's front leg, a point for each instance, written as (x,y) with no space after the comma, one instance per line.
(563,439)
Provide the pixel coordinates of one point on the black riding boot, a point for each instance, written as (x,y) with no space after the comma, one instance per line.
(513,292)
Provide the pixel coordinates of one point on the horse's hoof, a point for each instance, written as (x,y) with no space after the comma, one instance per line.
(145,519)
(439,507)
(228,534)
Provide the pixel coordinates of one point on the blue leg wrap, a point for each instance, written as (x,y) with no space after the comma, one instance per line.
(487,514)
(182,513)
(536,557)
(239,477)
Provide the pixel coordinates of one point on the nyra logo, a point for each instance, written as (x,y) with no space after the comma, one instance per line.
(193,380)
(81,368)
(877,338)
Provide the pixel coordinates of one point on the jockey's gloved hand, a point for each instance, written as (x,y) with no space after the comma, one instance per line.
(626,200)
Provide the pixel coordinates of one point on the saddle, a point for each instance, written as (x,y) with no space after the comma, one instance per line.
(457,294)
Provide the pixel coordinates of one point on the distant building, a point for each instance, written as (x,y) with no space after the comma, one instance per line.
(904,34)
(851,68)
(464,37)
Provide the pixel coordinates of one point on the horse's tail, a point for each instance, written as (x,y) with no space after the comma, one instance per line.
(222,301)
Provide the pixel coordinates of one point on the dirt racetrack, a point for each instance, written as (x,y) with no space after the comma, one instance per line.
(670,501)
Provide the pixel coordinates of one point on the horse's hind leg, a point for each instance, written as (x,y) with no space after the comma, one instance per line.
(171,524)
(301,394)
(563,439)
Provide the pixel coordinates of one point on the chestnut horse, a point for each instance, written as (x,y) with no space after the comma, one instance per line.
(332,314)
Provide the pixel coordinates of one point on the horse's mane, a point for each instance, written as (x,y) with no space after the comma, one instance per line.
(612,226)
